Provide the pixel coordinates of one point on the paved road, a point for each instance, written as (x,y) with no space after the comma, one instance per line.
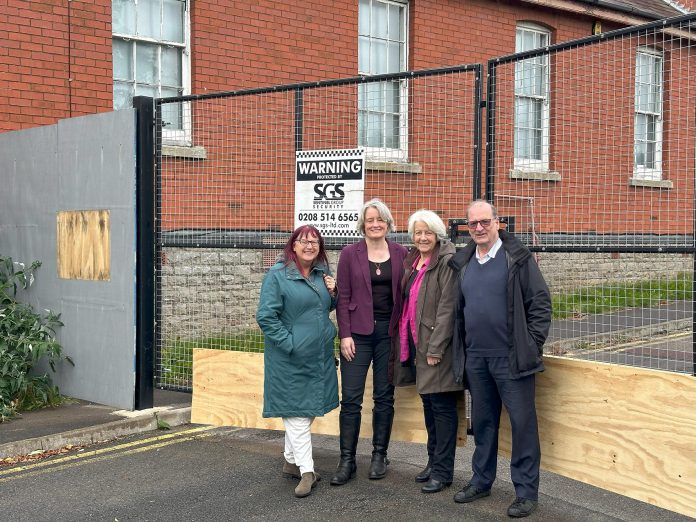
(201,474)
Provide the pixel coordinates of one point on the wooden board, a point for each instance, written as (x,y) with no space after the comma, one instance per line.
(84,245)
(228,391)
(627,430)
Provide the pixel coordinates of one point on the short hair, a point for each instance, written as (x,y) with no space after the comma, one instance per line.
(384,213)
(494,210)
(431,219)
(300,232)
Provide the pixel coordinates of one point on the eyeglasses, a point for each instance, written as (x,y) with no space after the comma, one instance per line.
(305,242)
(485,223)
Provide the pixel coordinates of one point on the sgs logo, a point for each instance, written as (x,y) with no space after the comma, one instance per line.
(328,191)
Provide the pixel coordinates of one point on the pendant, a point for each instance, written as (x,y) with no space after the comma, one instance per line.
(378,271)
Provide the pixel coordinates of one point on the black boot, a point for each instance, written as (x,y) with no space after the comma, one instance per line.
(348,439)
(381,432)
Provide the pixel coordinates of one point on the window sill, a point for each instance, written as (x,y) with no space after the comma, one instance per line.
(394,166)
(178,151)
(650,183)
(534,175)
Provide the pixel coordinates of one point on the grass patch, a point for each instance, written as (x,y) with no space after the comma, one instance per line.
(177,355)
(618,296)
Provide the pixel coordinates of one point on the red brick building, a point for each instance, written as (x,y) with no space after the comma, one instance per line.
(60,59)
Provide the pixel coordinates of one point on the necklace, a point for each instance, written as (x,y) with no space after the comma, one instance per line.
(378,267)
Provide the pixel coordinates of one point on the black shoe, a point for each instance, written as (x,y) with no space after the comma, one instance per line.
(378,467)
(521,507)
(469,493)
(435,486)
(344,472)
(424,476)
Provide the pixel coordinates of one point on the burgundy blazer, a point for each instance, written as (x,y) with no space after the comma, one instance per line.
(354,307)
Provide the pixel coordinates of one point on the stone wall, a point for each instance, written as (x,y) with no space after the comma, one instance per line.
(214,292)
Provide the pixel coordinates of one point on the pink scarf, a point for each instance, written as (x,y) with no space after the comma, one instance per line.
(408,314)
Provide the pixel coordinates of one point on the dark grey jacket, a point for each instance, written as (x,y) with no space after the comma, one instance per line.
(528,309)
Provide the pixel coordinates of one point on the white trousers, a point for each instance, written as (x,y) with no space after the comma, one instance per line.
(298,442)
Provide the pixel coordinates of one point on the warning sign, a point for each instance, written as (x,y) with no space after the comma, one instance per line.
(329,190)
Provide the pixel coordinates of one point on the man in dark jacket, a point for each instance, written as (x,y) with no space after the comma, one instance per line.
(503,315)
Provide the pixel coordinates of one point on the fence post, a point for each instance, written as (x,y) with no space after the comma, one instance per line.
(145,244)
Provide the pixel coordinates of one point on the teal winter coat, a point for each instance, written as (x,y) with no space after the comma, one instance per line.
(300,369)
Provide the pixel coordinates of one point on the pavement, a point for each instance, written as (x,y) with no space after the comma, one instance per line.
(80,423)
(84,423)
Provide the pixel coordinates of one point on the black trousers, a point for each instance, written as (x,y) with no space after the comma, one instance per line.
(490,386)
(441,422)
(369,349)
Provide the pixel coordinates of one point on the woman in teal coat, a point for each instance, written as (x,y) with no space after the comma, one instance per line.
(300,381)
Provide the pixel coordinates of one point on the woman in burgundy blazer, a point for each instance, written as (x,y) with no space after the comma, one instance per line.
(369,301)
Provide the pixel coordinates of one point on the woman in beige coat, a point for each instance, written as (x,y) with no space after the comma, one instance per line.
(424,349)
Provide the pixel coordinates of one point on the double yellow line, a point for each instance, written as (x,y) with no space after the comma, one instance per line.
(86,457)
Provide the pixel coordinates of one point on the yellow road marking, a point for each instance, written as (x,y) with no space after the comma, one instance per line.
(93,453)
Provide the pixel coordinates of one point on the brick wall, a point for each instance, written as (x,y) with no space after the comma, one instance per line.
(55,61)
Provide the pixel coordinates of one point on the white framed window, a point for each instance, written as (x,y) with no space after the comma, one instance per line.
(531,133)
(383,106)
(151,58)
(647,149)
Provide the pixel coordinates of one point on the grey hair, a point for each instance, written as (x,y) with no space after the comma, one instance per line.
(479,201)
(431,219)
(384,213)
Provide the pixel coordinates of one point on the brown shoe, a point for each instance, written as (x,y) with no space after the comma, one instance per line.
(308,481)
(291,470)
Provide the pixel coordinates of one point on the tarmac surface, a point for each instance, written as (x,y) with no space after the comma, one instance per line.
(253,458)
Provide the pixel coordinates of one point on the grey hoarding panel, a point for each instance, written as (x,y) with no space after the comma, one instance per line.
(85,163)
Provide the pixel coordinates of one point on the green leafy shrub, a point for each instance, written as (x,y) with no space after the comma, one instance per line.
(25,338)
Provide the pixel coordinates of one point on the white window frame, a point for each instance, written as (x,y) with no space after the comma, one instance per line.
(399,154)
(181,136)
(534,164)
(643,172)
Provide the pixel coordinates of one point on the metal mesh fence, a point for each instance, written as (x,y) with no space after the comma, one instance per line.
(591,151)
(589,158)
(224,218)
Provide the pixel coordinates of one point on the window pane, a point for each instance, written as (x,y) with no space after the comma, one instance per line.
(173,20)
(123,95)
(392,96)
(123,60)
(378,57)
(146,64)
(171,67)
(537,145)
(641,127)
(640,154)
(363,55)
(394,32)
(391,134)
(379,20)
(123,16)
(362,96)
(375,96)
(394,57)
(374,130)
(364,17)
(537,108)
(522,144)
(362,128)
(149,18)
(522,106)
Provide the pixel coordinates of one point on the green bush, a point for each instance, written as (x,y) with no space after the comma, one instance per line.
(25,338)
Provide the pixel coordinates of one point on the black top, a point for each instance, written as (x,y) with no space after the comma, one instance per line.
(382,298)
